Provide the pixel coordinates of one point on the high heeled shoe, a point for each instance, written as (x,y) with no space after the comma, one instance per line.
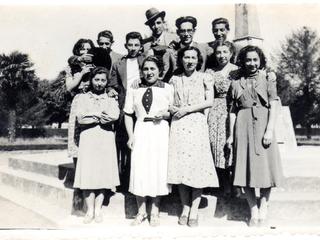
(140,217)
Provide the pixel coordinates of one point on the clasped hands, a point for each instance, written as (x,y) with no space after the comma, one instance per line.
(103,117)
(178,112)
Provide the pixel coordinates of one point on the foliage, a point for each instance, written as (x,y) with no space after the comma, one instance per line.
(299,76)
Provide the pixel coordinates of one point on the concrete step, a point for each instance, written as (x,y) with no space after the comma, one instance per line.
(48,188)
(57,165)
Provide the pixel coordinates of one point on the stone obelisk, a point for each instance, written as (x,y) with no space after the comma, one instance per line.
(247,27)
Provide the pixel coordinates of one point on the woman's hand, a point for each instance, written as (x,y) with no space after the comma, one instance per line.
(229,142)
(113,93)
(181,112)
(105,118)
(85,69)
(136,83)
(173,110)
(87,58)
(267,138)
(130,143)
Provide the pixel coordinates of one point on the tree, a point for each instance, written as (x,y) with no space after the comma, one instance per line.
(299,77)
(16,80)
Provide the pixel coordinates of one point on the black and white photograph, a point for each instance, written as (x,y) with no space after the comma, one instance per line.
(159,120)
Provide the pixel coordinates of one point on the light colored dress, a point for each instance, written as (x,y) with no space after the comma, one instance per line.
(149,157)
(97,166)
(256,166)
(190,158)
(218,117)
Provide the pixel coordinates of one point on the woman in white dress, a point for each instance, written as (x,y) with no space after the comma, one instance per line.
(97,167)
(149,139)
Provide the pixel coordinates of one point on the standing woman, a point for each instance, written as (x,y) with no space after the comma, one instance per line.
(149,140)
(253,112)
(190,164)
(97,167)
(218,115)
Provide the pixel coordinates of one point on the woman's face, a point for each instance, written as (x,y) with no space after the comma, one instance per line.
(223,55)
(252,62)
(99,82)
(85,48)
(190,60)
(150,72)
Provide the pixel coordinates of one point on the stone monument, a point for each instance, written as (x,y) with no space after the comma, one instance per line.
(247,32)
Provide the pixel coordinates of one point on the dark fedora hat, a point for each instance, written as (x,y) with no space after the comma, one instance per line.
(183,19)
(152,14)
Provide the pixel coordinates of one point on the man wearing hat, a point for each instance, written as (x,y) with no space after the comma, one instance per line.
(160,39)
(186,27)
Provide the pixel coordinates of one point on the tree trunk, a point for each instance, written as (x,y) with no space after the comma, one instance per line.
(12,125)
(308,128)
(59,125)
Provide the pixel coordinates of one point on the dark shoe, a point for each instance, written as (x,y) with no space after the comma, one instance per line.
(193,222)
(183,220)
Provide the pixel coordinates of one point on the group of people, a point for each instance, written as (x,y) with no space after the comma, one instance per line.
(179,113)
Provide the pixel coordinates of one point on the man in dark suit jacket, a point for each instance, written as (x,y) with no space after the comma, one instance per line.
(160,39)
(124,73)
(186,27)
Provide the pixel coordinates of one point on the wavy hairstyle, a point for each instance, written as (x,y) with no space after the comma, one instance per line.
(181,52)
(241,58)
(79,44)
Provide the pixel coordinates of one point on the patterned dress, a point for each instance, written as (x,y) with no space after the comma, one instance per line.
(218,117)
(190,158)
(256,165)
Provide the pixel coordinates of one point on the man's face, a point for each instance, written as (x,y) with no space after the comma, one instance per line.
(133,46)
(185,32)
(157,27)
(104,42)
(220,32)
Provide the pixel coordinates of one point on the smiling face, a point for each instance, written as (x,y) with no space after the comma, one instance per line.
(133,46)
(104,42)
(223,55)
(190,60)
(157,27)
(185,32)
(85,48)
(150,72)
(99,82)
(220,32)
(252,62)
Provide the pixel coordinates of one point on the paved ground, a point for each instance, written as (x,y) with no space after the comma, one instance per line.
(295,163)
(13,215)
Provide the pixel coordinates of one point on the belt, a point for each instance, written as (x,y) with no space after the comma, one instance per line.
(257,142)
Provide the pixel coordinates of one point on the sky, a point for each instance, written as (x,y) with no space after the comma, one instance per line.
(48,32)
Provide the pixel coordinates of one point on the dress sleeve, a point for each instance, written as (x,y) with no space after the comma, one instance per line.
(72,145)
(171,94)
(208,81)
(113,108)
(85,114)
(128,106)
(272,87)
(231,98)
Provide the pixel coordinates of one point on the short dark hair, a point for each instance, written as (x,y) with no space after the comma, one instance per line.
(221,20)
(183,19)
(106,34)
(243,54)
(95,71)
(181,54)
(158,61)
(79,44)
(133,35)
